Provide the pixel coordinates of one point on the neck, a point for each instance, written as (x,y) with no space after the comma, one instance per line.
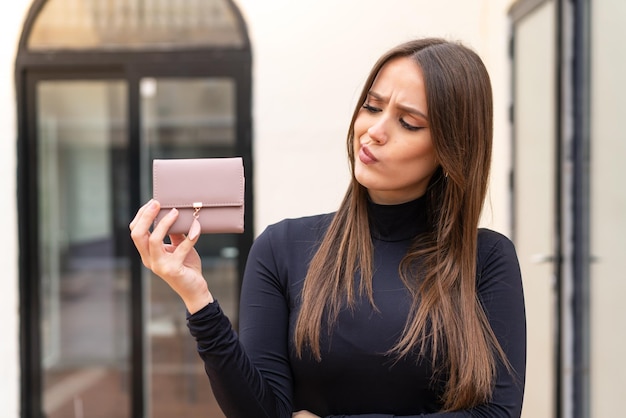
(399,221)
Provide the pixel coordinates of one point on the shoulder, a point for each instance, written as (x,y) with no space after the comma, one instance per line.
(286,247)
(496,256)
(492,243)
(299,228)
(294,232)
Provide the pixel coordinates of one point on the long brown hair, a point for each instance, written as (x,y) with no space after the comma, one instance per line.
(446,315)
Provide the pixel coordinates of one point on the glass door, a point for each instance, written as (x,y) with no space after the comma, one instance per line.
(535,191)
(186,118)
(85,271)
(82,136)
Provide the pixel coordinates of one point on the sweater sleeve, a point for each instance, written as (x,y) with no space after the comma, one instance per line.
(499,286)
(249,374)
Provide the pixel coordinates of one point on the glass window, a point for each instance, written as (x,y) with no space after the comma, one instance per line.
(131,24)
(186,118)
(82,135)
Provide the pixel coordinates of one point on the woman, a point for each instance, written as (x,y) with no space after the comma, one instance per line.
(395,305)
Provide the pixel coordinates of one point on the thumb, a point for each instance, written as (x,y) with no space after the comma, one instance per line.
(194,231)
(183,246)
(192,235)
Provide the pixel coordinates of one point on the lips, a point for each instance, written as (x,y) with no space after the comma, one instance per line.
(366,156)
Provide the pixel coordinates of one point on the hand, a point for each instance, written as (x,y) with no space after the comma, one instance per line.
(304,414)
(177,263)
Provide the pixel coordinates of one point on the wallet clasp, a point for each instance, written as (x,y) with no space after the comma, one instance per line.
(196,209)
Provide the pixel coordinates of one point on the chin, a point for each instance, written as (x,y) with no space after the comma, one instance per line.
(361,178)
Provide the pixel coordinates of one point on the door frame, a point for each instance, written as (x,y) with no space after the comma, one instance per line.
(572,255)
(518,13)
(130,66)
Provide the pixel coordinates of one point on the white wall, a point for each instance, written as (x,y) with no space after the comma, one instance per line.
(608,206)
(11,21)
(310,59)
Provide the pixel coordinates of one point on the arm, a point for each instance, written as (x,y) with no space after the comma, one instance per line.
(240,387)
(250,375)
(500,291)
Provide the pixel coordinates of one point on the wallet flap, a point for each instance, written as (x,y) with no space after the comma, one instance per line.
(213,182)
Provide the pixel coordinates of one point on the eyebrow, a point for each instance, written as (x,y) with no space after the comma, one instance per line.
(408,109)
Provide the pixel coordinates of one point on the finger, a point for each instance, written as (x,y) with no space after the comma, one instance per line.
(176,239)
(155,242)
(139,214)
(183,247)
(169,248)
(140,232)
(161,261)
(145,218)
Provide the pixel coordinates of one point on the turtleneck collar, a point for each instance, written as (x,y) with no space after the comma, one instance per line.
(398,222)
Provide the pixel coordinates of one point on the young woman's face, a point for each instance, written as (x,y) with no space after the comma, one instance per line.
(393,151)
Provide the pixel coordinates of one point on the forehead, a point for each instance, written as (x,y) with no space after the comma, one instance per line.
(401,78)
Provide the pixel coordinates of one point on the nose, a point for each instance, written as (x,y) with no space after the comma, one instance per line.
(378,131)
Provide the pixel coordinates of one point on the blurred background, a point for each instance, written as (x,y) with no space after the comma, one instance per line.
(92,90)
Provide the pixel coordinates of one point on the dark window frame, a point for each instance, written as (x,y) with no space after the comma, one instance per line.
(129,66)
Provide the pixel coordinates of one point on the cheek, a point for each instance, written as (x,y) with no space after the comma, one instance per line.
(417,168)
(422,159)
(430,161)
(422,151)
(358,127)
(359,131)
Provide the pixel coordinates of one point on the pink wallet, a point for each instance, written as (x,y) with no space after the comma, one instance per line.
(208,189)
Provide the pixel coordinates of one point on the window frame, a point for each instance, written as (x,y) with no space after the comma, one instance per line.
(130,66)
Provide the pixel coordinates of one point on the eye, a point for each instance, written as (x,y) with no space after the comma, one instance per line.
(371,108)
(410,127)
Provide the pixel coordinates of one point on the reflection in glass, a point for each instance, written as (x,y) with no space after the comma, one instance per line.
(132,24)
(82,136)
(186,118)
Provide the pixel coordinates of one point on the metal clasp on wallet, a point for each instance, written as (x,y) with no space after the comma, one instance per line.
(196,209)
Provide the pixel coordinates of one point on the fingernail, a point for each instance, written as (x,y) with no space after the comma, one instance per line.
(194,231)
(173,212)
(153,204)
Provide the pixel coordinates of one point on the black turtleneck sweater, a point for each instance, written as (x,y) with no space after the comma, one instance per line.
(257,375)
